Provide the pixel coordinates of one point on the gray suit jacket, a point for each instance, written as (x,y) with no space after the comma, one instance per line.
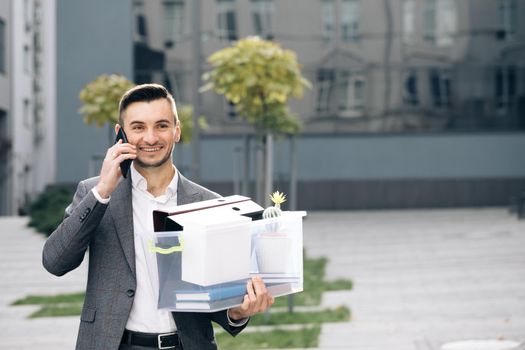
(107,230)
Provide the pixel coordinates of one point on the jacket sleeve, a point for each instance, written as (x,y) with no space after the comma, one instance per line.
(64,250)
(221,318)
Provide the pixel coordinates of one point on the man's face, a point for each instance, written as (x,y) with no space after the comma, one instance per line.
(151,127)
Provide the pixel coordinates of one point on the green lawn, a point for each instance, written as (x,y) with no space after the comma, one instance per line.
(307,337)
(51,299)
(340,314)
(314,284)
(58,310)
(54,305)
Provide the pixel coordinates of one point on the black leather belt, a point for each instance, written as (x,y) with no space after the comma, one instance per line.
(152,340)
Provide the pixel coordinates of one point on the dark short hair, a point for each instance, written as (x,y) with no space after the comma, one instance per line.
(145,93)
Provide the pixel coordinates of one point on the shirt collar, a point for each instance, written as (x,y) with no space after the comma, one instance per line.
(140,183)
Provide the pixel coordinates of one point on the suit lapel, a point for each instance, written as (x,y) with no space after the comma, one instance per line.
(122,212)
(121,209)
(185,192)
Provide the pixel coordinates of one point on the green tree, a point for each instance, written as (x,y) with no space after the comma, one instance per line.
(100,99)
(258,77)
(185,113)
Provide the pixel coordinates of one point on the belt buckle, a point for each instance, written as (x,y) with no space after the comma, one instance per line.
(159,338)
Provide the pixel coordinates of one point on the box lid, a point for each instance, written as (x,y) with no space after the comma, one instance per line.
(164,220)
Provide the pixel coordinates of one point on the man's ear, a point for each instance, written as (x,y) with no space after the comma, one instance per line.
(177,131)
(117,128)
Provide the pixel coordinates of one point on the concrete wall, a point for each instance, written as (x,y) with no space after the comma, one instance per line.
(93,38)
(384,171)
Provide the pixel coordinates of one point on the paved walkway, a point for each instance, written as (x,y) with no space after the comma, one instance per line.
(422,278)
(22,274)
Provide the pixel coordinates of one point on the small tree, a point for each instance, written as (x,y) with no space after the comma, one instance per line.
(100,99)
(185,113)
(258,77)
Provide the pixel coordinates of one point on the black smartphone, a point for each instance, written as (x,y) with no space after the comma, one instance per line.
(124,166)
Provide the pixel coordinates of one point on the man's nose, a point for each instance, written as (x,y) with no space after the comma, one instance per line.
(151,137)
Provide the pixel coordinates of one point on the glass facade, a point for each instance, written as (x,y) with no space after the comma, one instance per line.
(375,66)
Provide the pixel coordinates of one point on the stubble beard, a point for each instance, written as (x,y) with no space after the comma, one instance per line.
(158,164)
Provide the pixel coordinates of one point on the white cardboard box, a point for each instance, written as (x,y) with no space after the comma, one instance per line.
(216,248)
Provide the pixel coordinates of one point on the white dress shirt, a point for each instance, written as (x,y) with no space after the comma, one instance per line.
(144,316)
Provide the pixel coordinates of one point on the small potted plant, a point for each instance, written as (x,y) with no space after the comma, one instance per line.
(273,245)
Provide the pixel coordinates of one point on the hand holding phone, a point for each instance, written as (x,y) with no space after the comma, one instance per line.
(125,164)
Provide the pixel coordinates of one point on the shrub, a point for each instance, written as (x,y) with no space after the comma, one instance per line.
(47,210)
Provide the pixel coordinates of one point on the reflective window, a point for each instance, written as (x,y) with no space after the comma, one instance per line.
(505,88)
(409,7)
(140,21)
(351,94)
(350,17)
(328,19)
(173,22)
(440,87)
(262,12)
(325,86)
(2,47)
(27,58)
(410,89)
(447,22)
(226,21)
(440,21)
(508,13)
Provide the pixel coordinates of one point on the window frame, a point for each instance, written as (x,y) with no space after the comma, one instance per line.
(350,104)
(440,81)
(262,13)
(326,80)
(411,98)
(350,24)
(328,20)
(409,21)
(507,19)
(226,15)
(173,21)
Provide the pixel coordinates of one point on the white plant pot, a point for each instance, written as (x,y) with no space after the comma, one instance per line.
(274,254)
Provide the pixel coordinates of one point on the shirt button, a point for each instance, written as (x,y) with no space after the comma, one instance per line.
(130,293)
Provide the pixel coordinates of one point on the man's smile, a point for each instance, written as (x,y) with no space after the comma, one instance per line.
(150,149)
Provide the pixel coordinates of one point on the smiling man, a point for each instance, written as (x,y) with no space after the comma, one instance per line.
(109,214)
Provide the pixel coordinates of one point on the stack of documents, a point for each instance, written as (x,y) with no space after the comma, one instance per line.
(205,299)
